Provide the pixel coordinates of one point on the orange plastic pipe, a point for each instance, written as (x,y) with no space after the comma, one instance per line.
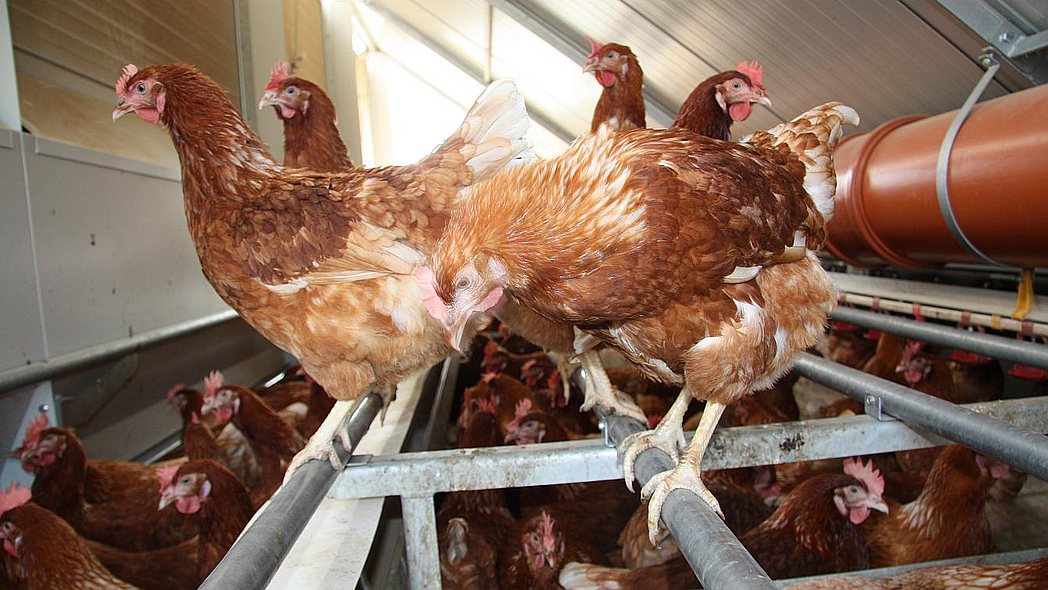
(886,208)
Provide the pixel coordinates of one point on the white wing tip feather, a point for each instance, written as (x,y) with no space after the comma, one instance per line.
(497,125)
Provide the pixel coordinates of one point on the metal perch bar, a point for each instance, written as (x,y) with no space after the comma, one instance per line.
(426,473)
(88,357)
(257,554)
(1009,349)
(1021,448)
(715,555)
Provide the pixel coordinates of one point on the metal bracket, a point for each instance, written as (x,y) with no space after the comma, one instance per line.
(602,424)
(872,407)
(942,168)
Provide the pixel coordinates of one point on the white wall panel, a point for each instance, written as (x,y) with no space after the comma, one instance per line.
(22,339)
(114,254)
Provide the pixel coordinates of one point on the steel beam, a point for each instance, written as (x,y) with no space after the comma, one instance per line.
(418,474)
(1009,349)
(89,357)
(257,554)
(420,541)
(1021,448)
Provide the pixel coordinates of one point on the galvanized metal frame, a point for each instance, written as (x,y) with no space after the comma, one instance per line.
(1021,448)
(996,28)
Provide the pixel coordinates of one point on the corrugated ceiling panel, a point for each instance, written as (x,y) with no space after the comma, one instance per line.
(876,56)
(427,65)
(546,76)
(460,27)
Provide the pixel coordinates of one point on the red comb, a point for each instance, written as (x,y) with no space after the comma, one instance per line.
(15,496)
(754,71)
(121,82)
(594,47)
(522,409)
(489,376)
(866,474)
(554,379)
(527,366)
(166,476)
(213,382)
(490,349)
(280,71)
(34,429)
(175,389)
(911,349)
(547,530)
(486,405)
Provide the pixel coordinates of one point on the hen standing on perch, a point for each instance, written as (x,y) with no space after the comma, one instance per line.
(687,254)
(322,264)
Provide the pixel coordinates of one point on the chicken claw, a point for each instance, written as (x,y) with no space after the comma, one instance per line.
(668,436)
(321,444)
(685,475)
(658,488)
(600,392)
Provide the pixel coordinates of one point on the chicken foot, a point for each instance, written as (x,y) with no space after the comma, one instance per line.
(321,444)
(686,475)
(600,391)
(668,436)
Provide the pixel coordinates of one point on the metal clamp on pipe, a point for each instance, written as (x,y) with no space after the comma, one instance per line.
(255,557)
(1016,351)
(1025,450)
(715,555)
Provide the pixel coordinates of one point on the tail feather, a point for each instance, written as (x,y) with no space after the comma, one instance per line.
(493,134)
(824,125)
(586,576)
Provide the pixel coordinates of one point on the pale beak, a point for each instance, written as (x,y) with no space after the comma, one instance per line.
(456,331)
(591,65)
(876,503)
(120,110)
(167,497)
(269,99)
(761,99)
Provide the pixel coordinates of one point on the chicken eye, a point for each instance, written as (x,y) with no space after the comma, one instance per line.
(140,88)
(463,283)
(184,480)
(291,90)
(736,85)
(612,55)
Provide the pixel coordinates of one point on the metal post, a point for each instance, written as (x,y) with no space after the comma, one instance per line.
(1009,349)
(257,554)
(1023,449)
(420,541)
(88,357)
(712,550)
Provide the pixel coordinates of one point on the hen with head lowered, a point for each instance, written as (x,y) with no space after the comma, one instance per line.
(688,255)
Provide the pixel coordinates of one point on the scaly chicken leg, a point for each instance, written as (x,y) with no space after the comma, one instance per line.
(668,436)
(686,475)
(335,425)
(600,391)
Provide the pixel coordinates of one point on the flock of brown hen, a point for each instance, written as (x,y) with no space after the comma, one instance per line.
(689,255)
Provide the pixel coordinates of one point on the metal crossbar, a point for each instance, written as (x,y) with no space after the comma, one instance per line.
(429,472)
(1022,448)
